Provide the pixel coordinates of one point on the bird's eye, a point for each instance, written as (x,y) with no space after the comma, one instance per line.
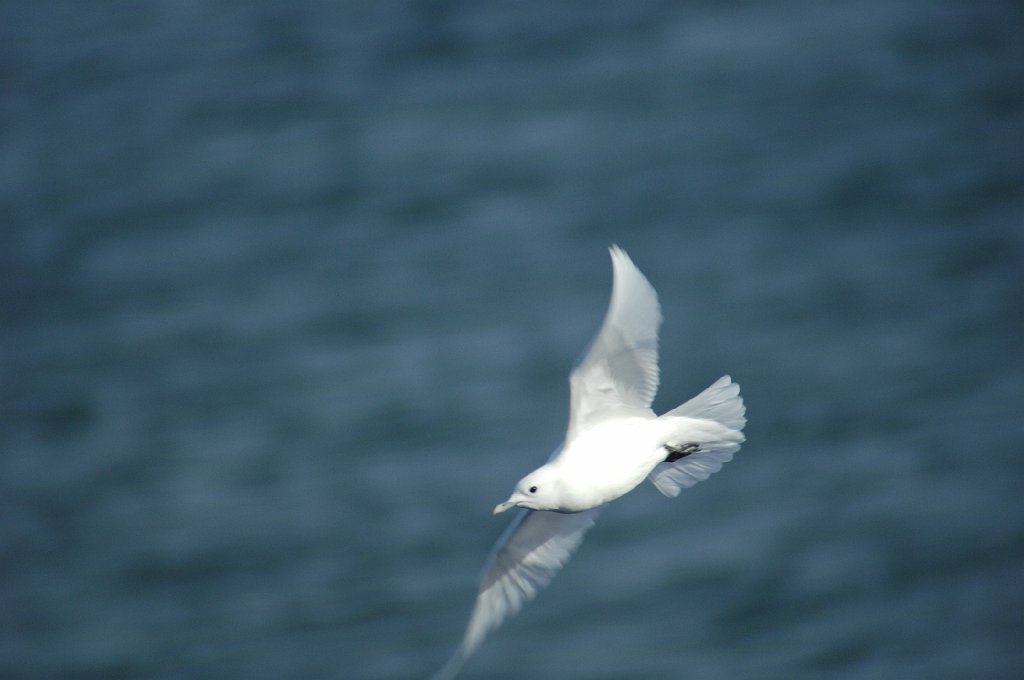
(533,489)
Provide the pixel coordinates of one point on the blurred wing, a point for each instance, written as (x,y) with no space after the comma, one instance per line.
(619,374)
(525,559)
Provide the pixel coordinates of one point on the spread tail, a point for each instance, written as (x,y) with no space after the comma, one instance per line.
(710,432)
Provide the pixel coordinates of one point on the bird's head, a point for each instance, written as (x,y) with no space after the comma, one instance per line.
(536,491)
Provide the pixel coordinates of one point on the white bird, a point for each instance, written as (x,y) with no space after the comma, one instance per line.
(613,443)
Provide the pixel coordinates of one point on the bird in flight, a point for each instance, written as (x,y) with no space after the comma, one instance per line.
(614,441)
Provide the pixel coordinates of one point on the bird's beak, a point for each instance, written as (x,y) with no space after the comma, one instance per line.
(502,507)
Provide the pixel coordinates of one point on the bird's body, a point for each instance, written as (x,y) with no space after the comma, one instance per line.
(613,458)
(614,441)
(594,470)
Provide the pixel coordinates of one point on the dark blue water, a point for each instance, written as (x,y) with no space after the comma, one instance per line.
(290,292)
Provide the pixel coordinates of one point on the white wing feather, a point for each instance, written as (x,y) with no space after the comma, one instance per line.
(525,559)
(619,374)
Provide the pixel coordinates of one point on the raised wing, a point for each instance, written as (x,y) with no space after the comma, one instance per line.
(525,559)
(619,374)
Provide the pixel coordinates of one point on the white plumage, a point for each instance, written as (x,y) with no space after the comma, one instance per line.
(614,441)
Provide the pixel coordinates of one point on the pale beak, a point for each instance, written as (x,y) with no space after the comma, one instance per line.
(502,507)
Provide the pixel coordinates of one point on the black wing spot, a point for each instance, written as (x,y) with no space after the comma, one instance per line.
(681,451)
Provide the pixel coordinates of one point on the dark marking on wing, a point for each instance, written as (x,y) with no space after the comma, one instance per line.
(681,451)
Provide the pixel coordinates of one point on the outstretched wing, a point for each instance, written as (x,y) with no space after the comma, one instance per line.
(619,374)
(525,559)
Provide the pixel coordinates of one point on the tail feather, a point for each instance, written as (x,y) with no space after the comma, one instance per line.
(720,402)
(715,419)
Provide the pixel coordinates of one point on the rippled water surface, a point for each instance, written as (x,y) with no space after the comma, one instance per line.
(291,290)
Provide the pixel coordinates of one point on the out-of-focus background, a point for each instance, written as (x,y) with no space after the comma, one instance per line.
(290,291)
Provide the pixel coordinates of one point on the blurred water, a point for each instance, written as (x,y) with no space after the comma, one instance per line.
(290,292)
